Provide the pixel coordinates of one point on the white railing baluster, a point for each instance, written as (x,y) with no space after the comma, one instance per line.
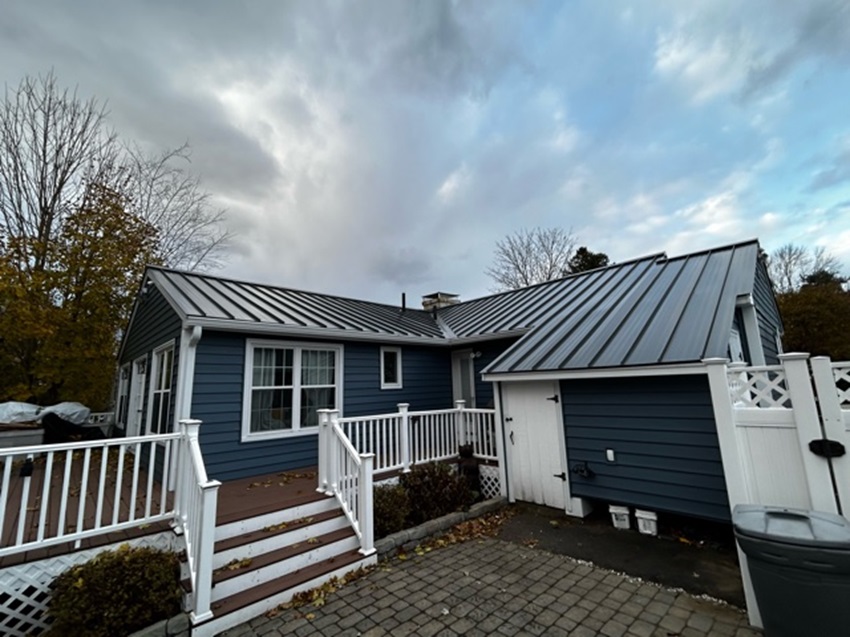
(81,503)
(63,500)
(101,485)
(25,496)
(4,489)
(163,494)
(134,489)
(44,505)
(116,504)
(152,447)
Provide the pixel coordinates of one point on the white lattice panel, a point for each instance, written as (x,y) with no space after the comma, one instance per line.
(489,477)
(841,372)
(763,388)
(25,588)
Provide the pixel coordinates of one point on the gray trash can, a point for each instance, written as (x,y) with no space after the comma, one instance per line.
(800,568)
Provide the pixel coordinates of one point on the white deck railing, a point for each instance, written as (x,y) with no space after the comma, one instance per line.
(197,502)
(88,489)
(351,449)
(347,475)
(404,438)
(62,511)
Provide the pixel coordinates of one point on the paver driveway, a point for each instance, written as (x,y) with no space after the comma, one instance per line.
(492,587)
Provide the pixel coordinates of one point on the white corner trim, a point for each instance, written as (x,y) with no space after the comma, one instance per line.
(399,383)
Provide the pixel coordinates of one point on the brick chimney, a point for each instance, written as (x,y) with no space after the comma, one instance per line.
(437,300)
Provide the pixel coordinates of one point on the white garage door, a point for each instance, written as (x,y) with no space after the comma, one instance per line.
(535,441)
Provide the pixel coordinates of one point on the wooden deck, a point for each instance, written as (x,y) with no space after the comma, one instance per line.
(237,500)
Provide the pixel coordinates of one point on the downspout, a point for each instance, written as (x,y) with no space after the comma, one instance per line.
(192,334)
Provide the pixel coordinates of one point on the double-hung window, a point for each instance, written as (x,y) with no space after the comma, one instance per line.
(285,384)
(159,408)
(390,368)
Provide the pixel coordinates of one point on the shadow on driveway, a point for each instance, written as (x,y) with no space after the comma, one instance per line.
(699,558)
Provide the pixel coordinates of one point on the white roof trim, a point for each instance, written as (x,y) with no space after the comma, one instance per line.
(609,372)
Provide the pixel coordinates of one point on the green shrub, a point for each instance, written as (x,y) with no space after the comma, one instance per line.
(115,593)
(392,506)
(434,489)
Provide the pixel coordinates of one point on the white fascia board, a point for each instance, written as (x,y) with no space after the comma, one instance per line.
(270,330)
(611,372)
(162,284)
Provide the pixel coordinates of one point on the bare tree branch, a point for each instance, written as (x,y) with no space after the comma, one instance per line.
(790,264)
(163,193)
(54,146)
(531,256)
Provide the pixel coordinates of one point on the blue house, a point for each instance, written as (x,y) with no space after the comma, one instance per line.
(597,378)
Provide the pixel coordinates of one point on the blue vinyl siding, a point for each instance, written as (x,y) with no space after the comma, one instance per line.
(663,433)
(490,351)
(426,380)
(153,324)
(770,323)
(218,389)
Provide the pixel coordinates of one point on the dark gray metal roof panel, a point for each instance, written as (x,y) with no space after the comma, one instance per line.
(651,311)
(647,311)
(247,304)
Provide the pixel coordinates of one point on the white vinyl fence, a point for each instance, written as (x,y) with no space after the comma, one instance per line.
(784,433)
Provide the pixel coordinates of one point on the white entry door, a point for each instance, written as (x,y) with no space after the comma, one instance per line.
(137,395)
(463,376)
(535,443)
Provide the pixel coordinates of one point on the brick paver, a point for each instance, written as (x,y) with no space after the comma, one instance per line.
(491,587)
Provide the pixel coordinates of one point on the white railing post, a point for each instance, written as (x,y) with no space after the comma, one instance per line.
(324,443)
(460,424)
(206,549)
(404,436)
(808,428)
(332,454)
(737,487)
(833,426)
(366,515)
(183,482)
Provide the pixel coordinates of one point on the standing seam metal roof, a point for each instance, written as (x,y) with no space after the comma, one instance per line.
(250,305)
(647,311)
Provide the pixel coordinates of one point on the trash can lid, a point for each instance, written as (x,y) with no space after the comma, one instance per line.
(792,526)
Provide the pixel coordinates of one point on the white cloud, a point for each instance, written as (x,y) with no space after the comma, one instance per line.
(707,67)
(454,185)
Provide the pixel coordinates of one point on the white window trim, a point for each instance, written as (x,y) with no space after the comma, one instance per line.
(247,386)
(123,392)
(399,383)
(153,381)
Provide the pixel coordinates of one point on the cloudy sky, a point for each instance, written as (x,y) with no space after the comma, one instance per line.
(370,148)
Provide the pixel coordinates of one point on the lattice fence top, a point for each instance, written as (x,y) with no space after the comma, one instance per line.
(841,372)
(759,388)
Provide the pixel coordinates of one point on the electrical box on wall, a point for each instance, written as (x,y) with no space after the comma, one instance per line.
(609,455)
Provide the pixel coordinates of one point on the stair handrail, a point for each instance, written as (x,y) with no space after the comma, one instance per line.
(197,501)
(348,476)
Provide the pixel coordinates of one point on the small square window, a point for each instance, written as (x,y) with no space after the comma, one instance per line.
(390,368)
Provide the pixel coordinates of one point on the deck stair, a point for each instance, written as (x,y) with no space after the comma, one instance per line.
(263,558)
